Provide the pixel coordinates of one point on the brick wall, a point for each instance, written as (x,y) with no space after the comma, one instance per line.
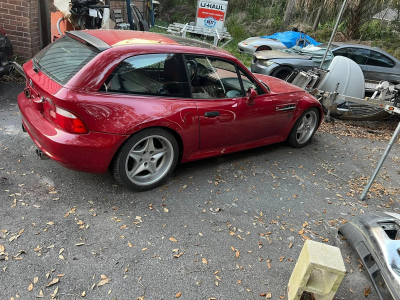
(20,19)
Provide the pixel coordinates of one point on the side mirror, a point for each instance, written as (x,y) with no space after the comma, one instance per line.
(251,95)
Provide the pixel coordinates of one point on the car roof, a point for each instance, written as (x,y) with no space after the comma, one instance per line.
(115,38)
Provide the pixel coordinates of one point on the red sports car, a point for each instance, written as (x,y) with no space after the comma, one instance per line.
(139,103)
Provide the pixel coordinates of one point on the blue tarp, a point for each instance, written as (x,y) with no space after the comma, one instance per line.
(289,38)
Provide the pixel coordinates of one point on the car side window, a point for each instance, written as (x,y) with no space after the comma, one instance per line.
(213,78)
(341,52)
(150,74)
(249,82)
(358,55)
(379,60)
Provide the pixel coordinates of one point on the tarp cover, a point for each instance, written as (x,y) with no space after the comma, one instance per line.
(290,38)
(316,54)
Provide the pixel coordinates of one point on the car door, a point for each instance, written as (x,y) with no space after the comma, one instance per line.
(226,116)
(381,67)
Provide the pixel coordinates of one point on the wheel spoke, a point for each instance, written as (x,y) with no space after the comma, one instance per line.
(159,153)
(135,155)
(152,167)
(150,145)
(137,169)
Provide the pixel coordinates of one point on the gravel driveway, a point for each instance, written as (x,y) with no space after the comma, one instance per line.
(221,228)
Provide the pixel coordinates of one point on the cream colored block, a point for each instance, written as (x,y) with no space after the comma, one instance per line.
(319,270)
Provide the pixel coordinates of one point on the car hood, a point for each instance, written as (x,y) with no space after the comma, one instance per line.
(274,54)
(278,86)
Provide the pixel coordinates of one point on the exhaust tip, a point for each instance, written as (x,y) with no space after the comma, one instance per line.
(41,154)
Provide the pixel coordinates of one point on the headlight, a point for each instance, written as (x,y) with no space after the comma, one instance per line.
(266,63)
(248,42)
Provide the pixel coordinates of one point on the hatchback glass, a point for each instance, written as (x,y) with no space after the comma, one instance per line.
(64,58)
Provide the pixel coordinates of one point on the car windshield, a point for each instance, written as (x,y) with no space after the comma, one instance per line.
(64,58)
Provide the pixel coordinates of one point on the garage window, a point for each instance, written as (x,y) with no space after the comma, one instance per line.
(150,74)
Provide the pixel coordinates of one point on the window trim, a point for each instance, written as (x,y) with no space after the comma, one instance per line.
(182,70)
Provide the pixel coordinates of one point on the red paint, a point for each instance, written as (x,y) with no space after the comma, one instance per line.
(112,118)
(217,15)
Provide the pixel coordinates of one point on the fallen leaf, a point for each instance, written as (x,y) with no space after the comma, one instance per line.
(83,294)
(173,239)
(166,209)
(54,281)
(178,295)
(104,280)
(237,254)
(123,226)
(40,294)
(268,295)
(35,280)
(30,287)
(367,291)
(2,248)
(205,261)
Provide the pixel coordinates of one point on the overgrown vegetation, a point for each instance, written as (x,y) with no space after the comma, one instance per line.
(264,17)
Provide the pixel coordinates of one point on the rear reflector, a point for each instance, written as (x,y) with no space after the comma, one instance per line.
(67,121)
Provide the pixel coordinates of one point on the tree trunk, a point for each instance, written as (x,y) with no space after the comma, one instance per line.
(288,13)
(316,22)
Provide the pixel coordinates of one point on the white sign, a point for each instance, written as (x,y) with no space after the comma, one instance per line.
(211,13)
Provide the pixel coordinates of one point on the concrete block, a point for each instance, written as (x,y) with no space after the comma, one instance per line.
(319,270)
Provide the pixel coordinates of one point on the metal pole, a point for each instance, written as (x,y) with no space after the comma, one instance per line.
(371,180)
(334,32)
(130,16)
(151,14)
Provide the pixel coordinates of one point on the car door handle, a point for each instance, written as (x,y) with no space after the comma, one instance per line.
(211,114)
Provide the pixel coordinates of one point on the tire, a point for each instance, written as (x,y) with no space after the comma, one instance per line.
(282,72)
(263,48)
(146,159)
(304,128)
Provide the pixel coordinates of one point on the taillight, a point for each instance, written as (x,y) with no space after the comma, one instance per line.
(67,121)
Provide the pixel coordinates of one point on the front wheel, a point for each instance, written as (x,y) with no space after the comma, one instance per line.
(146,159)
(282,72)
(304,128)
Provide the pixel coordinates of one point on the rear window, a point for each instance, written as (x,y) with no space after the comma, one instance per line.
(64,58)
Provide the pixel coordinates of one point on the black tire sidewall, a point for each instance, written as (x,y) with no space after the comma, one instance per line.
(292,140)
(280,69)
(118,168)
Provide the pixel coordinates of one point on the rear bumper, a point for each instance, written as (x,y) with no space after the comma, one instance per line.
(90,152)
(375,238)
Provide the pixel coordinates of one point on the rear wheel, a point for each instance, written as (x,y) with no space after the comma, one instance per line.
(282,72)
(146,160)
(304,128)
(263,48)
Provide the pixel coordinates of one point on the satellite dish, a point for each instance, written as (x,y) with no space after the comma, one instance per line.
(348,75)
